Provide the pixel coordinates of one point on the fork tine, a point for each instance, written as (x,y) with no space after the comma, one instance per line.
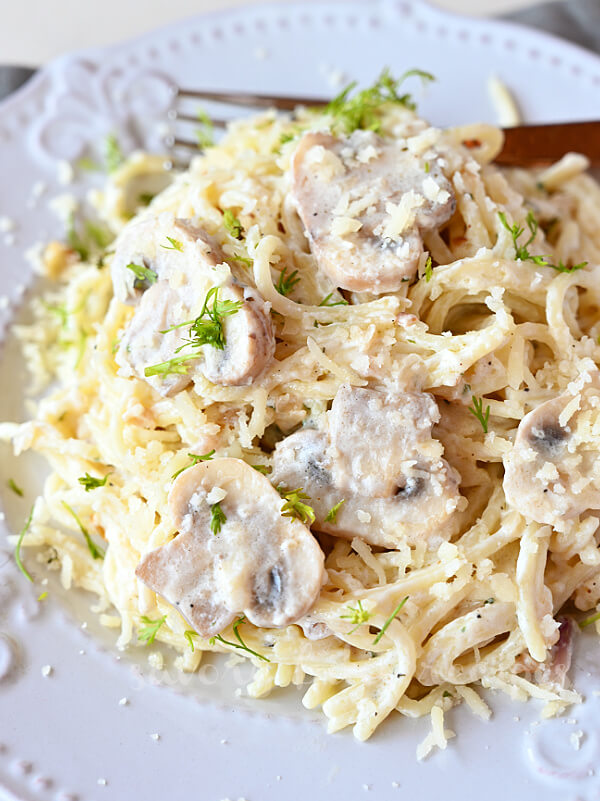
(258,101)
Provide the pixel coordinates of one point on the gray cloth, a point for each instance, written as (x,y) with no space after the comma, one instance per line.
(575,20)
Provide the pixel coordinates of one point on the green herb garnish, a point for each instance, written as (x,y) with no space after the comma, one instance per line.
(589,620)
(96,551)
(364,109)
(357,615)
(521,251)
(331,515)
(389,620)
(428,270)
(148,632)
(90,483)
(15,488)
(265,469)
(286,283)
(174,244)
(195,459)
(205,134)
(240,643)
(217,518)
(477,411)
(144,276)
(326,299)
(22,533)
(113,155)
(189,635)
(232,224)
(294,505)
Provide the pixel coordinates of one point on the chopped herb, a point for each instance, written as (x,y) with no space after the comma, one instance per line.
(16,489)
(175,244)
(589,620)
(240,643)
(195,459)
(521,251)
(286,137)
(100,235)
(175,366)
(265,469)
(562,268)
(96,551)
(217,518)
(60,310)
(428,270)
(446,694)
(148,632)
(357,615)
(22,533)
(74,240)
(389,620)
(294,506)
(113,155)
(244,260)
(427,166)
(331,515)
(90,483)
(189,635)
(144,276)
(285,284)
(363,110)
(205,134)
(325,301)
(146,198)
(477,411)
(42,596)
(232,224)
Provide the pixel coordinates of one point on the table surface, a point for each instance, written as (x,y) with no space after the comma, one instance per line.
(34,31)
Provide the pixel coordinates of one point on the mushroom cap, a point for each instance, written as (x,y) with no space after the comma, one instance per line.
(365,202)
(261,564)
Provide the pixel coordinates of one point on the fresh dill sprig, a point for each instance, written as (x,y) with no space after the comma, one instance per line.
(240,643)
(96,551)
(22,533)
(363,110)
(14,487)
(389,620)
(113,155)
(174,366)
(326,299)
(148,632)
(331,515)
(232,224)
(294,505)
(286,283)
(428,270)
(562,268)
(195,459)
(189,635)
(205,134)
(357,615)
(589,620)
(144,276)
(477,411)
(174,244)
(265,469)
(90,483)
(217,518)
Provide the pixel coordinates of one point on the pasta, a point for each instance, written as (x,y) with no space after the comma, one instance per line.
(414,626)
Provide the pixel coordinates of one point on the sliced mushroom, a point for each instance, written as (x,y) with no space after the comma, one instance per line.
(147,245)
(552,473)
(365,202)
(378,456)
(261,564)
(171,290)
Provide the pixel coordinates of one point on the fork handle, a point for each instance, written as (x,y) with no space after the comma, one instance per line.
(528,145)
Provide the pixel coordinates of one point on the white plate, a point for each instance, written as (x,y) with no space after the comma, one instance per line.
(66,736)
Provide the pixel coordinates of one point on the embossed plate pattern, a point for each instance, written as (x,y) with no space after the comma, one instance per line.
(65,736)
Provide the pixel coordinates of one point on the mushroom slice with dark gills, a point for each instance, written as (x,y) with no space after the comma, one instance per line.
(254,562)
(365,202)
(553,470)
(192,316)
(376,455)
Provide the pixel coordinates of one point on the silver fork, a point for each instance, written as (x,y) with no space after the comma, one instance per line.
(524,145)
